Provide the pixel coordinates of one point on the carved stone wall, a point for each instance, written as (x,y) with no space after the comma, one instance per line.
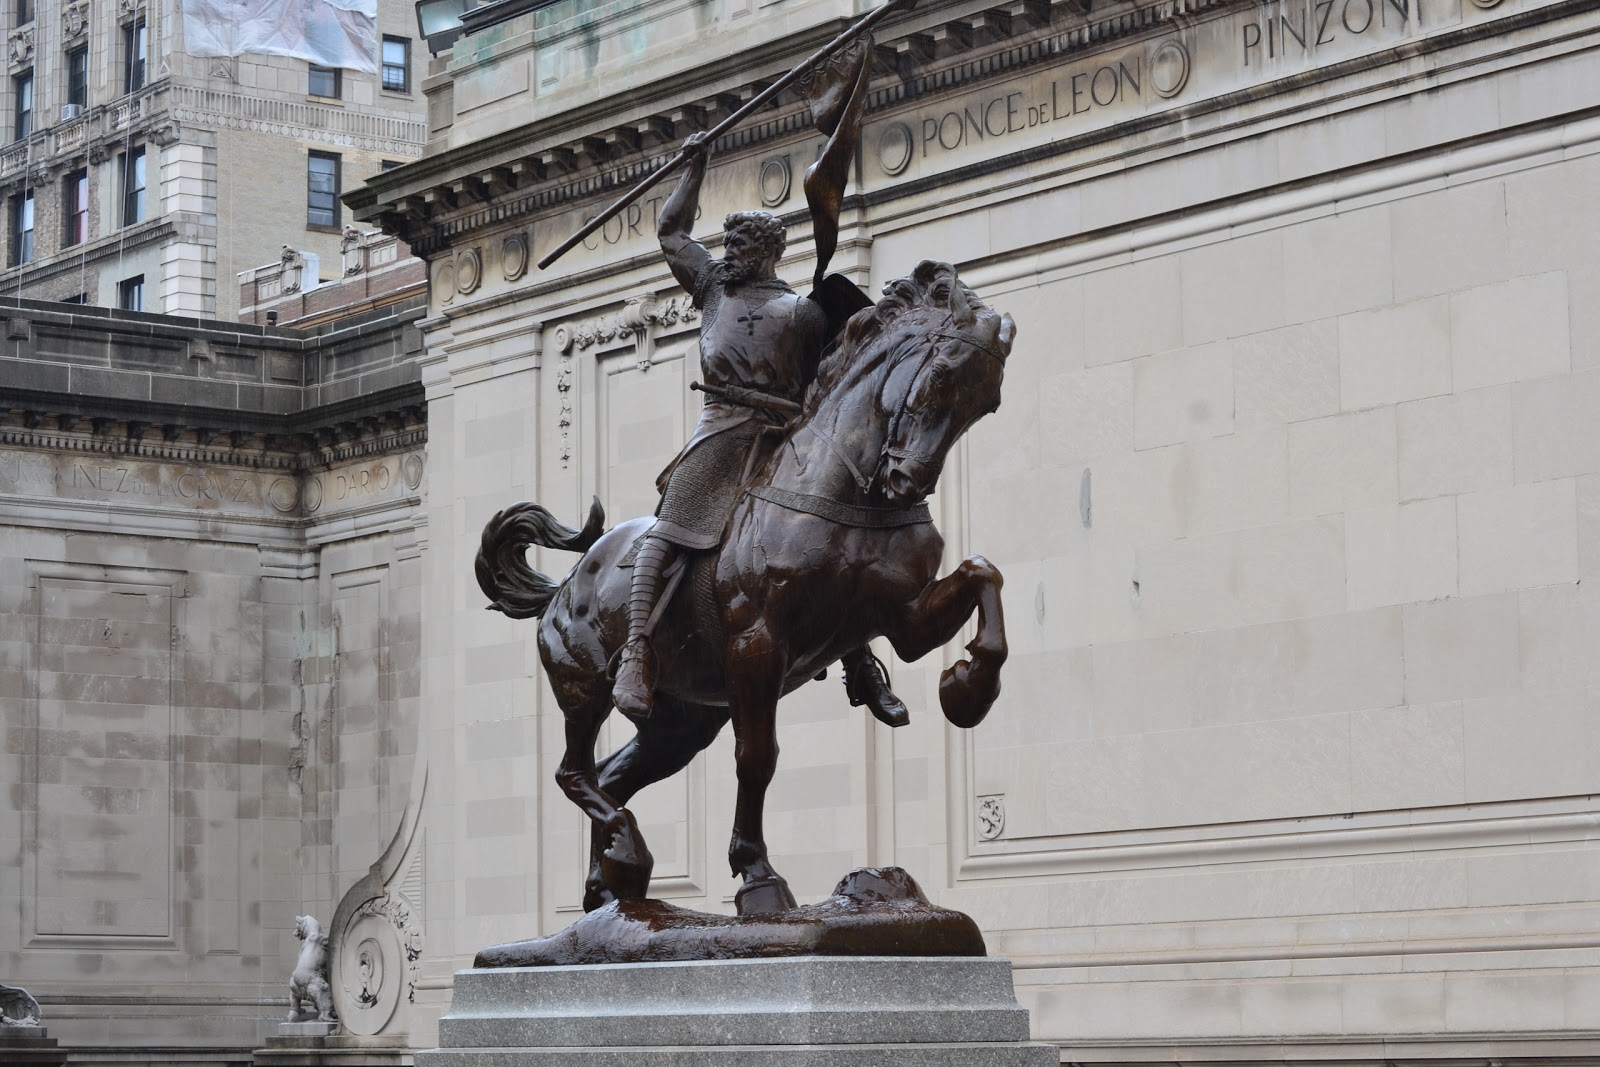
(211,589)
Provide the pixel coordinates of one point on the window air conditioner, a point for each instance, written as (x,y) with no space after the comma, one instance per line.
(70,111)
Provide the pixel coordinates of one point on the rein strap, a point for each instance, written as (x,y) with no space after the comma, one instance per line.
(843,514)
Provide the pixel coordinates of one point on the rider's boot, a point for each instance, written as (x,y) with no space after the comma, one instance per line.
(866,681)
(634,688)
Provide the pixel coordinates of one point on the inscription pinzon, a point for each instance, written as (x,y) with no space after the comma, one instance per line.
(1297,28)
(164,483)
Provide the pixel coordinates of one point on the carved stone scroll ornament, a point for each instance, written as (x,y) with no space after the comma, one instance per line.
(377,932)
(309,993)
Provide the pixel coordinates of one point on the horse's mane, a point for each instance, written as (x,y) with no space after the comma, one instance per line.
(868,333)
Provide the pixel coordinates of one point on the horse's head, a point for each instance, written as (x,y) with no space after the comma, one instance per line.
(948,380)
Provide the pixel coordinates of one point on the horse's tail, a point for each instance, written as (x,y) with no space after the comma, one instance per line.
(503,572)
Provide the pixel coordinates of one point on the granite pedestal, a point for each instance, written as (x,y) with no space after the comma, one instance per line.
(30,1046)
(809,1011)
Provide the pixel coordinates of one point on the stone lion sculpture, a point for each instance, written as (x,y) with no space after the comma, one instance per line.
(308,985)
(17,1008)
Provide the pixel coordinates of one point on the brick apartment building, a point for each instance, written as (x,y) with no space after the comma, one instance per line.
(140,176)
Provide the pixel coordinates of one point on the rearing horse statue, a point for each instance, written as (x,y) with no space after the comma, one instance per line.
(830,546)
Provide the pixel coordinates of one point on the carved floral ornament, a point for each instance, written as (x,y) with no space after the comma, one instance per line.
(636,316)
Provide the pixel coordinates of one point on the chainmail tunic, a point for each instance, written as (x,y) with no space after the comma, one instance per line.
(702,487)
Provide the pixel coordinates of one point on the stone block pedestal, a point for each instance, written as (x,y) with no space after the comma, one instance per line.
(808,1011)
(312,1045)
(30,1046)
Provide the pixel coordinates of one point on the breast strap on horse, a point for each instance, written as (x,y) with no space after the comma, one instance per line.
(843,514)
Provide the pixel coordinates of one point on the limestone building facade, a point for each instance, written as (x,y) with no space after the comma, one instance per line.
(210,612)
(139,176)
(1295,487)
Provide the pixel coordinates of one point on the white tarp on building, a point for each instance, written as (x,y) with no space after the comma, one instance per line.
(329,33)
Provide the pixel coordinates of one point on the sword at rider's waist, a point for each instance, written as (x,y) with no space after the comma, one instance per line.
(750,398)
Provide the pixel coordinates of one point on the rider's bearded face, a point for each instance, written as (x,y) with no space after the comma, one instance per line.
(745,252)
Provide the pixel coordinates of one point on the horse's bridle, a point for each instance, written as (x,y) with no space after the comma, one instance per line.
(865,482)
(889,452)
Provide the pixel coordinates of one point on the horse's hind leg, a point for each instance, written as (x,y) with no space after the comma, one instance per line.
(624,859)
(664,745)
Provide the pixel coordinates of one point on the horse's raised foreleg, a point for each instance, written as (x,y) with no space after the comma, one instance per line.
(756,665)
(625,862)
(968,687)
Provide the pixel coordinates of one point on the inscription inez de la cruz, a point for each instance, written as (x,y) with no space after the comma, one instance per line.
(285,494)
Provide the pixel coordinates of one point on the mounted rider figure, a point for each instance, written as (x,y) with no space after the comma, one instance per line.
(760,343)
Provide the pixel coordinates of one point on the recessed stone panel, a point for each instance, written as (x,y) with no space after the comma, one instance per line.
(103,667)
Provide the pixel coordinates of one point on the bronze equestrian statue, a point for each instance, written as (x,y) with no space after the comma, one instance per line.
(829,545)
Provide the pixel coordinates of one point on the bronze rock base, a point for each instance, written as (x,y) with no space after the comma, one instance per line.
(872,912)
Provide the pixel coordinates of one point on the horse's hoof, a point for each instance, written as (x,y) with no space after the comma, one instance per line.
(770,896)
(966,700)
(625,864)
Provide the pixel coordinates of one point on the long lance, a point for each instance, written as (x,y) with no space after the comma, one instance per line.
(682,156)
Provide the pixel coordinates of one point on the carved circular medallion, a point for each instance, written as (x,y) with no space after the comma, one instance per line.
(1169,69)
(312,495)
(444,281)
(411,470)
(371,974)
(1486,3)
(991,817)
(469,271)
(514,257)
(894,148)
(775,181)
(283,495)
(561,337)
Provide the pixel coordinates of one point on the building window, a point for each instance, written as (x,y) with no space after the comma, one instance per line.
(133,186)
(24,11)
(326,81)
(22,89)
(397,64)
(79,298)
(322,189)
(22,229)
(78,77)
(130,293)
(389,164)
(75,199)
(135,46)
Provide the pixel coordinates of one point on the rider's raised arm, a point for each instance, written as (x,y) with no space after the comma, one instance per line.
(686,256)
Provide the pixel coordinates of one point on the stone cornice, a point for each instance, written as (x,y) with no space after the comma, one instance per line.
(194,437)
(586,152)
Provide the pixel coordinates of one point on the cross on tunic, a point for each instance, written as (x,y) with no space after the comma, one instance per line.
(750,318)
